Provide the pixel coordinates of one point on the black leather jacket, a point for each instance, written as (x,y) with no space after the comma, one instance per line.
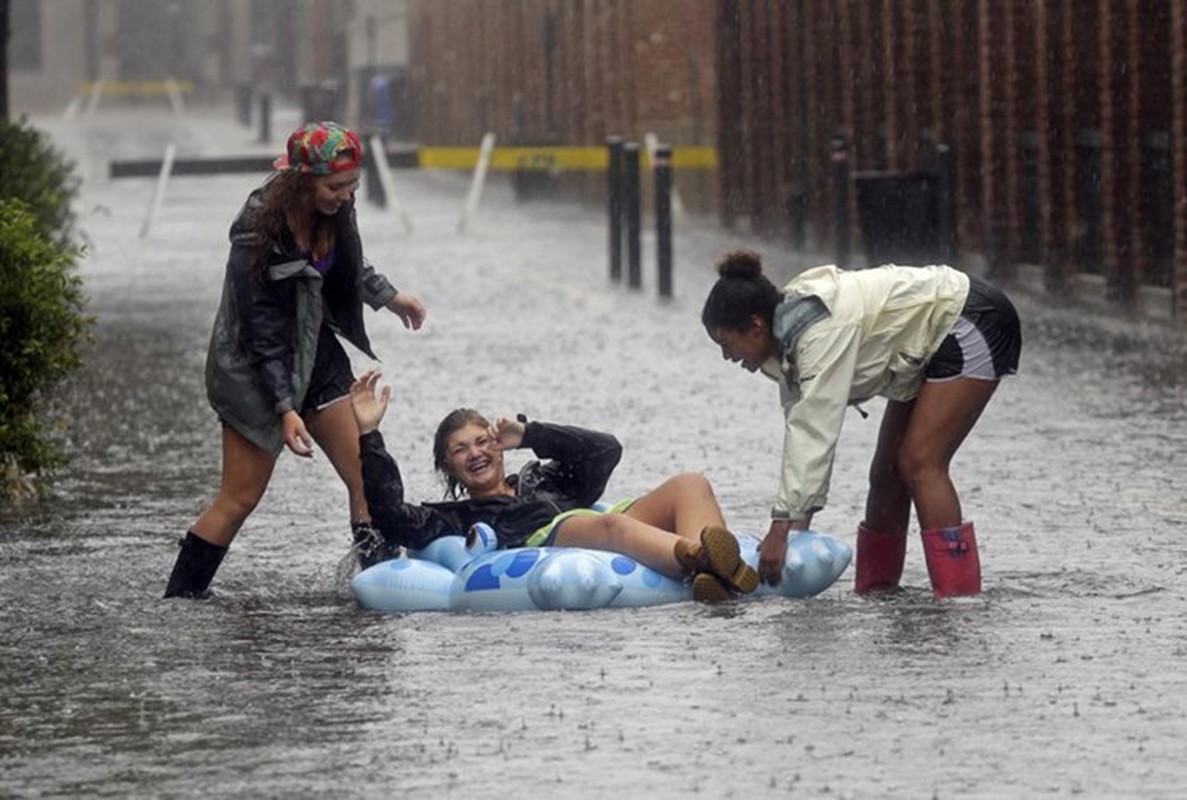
(574,476)
(264,340)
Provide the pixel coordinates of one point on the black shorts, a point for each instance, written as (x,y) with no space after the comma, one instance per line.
(332,374)
(985,342)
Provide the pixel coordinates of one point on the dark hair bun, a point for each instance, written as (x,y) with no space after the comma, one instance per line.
(740,264)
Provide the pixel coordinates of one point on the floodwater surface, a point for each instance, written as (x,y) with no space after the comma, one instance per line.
(1065,678)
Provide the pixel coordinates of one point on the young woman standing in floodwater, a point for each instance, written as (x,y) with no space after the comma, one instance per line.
(932,340)
(275,371)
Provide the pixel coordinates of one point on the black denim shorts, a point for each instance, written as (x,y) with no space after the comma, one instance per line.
(332,375)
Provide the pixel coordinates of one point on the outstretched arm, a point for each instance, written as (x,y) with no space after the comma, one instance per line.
(379,293)
(367,405)
(403,523)
(825,359)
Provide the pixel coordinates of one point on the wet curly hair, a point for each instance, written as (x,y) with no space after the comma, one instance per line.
(741,292)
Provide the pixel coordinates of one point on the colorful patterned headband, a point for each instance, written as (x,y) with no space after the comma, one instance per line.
(322,148)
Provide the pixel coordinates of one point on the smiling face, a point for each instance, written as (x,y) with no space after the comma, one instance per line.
(331,191)
(750,346)
(474,459)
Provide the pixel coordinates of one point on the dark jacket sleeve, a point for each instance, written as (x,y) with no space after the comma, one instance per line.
(580,461)
(406,524)
(377,291)
(266,310)
(266,324)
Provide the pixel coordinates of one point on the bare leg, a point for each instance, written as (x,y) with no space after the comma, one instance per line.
(661,530)
(647,544)
(888,504)
(683,504)
(337,434)
(246,472)
(944,414)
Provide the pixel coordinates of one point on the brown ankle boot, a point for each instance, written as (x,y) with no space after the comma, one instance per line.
(708,588)
(689,555)
(722,557)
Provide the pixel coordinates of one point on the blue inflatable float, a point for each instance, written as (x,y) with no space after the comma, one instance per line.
(449,576)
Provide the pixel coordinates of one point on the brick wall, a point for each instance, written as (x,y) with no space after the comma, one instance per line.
(564,72)
(1059,114)
(1064,116)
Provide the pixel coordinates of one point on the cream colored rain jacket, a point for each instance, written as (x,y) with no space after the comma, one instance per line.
(869,333)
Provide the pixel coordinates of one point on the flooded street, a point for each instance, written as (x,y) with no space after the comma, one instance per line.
(1065,678)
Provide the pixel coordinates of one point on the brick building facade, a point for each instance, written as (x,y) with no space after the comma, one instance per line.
(566,72)
(559,70)
(1066,120)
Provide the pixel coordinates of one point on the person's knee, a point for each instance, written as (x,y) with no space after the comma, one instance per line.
(238,505)
(916,466)
(690,483)
(885,475)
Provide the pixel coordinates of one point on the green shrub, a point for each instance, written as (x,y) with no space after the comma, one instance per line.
(32,171)
(42,326)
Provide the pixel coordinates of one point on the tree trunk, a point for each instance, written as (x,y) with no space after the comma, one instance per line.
(3,59)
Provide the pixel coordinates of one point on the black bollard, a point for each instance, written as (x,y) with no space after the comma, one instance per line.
(840,161)
(663,217)
(945,205)
(376,195)
(243,104)
(1090,250)
(614,192)
(797,210)
(631,202)
(265,117)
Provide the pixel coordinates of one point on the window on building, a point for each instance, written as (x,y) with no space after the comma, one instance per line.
(24,43)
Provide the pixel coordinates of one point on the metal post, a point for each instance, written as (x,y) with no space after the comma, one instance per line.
(265,117)
(158,195)
(663,217)
(614,192)
(797,207)
(383,172)
(840,160)
(631,201)
(243,104)
(1159,178)
(485,150)
(1088,160)
(376,195)
(945,204)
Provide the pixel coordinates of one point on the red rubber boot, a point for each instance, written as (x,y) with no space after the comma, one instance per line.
(879,560)
(952,561)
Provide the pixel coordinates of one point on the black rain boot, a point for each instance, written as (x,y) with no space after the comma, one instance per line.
(196,564)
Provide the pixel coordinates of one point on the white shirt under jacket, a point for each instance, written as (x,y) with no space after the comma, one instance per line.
(882,326)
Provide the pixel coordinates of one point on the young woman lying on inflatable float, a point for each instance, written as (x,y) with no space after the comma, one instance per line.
(676,529)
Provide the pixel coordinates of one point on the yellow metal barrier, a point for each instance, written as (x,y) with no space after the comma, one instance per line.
(551,159)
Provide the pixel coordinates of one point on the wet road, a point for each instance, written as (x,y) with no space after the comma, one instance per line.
(1065,678)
